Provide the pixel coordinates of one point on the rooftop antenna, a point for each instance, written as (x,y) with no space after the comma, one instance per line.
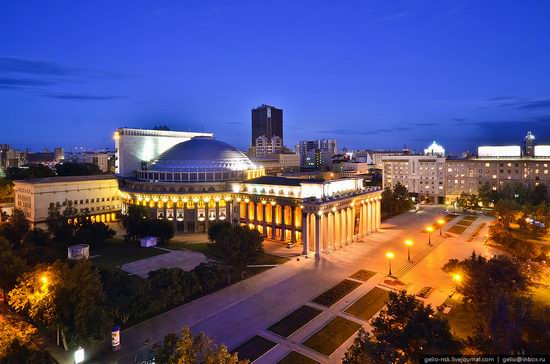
(202,125)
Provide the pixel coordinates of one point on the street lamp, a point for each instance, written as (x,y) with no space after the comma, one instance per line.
(457,278)
(440,222)
(430,230)
(390,256)
(408,243)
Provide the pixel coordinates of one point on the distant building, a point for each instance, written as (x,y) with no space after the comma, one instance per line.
(10,157)
(376,156)
(97,194)
(440,179)
(267,130)
(275,164)
(46,157)
(315,154)
(105,160)
(423,175)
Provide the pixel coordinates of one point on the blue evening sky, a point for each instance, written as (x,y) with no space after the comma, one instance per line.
(372,74)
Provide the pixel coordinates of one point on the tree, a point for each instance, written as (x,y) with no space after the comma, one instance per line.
(126,295)
(162,229)
(234,247)
(36,236)
(189,349)
(67,296)
(506,210)
(6,190)
(11,267)
(171,287)
(15,228)
(495,289)
(396,200)
(91,232)
(134,222)
(467,201)
(487,195)
(62,232)
(76,169)
(29,172)
(403,331)
(17,352)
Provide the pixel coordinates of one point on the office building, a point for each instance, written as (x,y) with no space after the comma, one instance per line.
(105,160)
(316,154)
(267,130)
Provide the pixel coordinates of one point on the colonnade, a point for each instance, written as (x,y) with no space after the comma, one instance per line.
(325,229)
(276,221)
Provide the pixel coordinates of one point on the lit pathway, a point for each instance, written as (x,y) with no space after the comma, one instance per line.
(238,312)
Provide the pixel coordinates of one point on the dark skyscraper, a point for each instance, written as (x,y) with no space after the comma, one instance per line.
(266,121)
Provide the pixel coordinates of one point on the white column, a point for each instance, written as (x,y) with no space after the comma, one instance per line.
(378,214)
(373,215)
(353,217)
(324,227)
(343,227)
(330,229)
(317,236)
(350,226)
(305,241)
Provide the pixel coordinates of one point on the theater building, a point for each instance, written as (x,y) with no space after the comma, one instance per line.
(197,182)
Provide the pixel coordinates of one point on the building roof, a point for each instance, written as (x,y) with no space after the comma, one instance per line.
(202,154)
(68,179)
(282,181)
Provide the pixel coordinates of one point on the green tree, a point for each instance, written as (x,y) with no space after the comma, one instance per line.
(17,352)
(234,247)
(76,169)
(11,267)
(16,227)
(6,191)
(68,296)
(162,229)
(403,331)
(29,172)
(506,210)
(487,195)
(171,287)
(468,201)
(489,286)
(126,295)
(134,222)
(36,236)
(188,349)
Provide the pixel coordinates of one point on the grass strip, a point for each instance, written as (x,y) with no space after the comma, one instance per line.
(293,321)
(368,305)
(254,348)
(336,293)
(331,336)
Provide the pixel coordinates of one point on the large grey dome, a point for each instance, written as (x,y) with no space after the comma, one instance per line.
(201,154)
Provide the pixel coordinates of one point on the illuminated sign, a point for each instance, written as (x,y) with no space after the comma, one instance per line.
(499,151)
(542,150)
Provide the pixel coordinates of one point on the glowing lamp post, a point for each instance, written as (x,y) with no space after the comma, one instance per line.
(430,230)
(456,278)
(408,243)
(440,222)
(390,256)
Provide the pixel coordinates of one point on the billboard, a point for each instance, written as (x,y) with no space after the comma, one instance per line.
(499,151)
(542,150)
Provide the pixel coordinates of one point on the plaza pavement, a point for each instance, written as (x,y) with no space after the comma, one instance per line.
(184,259)
(236,313)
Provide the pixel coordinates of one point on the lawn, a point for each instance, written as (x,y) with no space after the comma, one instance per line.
(179,245)
(332,335)
(295,320)
(363,275)
(254,348)
(336,293)
(295,357)
(369,304)
(116,252)
(461,318)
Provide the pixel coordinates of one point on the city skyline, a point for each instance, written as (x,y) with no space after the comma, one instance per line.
(336,73)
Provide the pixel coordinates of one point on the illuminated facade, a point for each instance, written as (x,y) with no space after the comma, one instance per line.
(99,195)
(203,180)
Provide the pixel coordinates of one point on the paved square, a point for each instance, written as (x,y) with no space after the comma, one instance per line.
(184,259)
